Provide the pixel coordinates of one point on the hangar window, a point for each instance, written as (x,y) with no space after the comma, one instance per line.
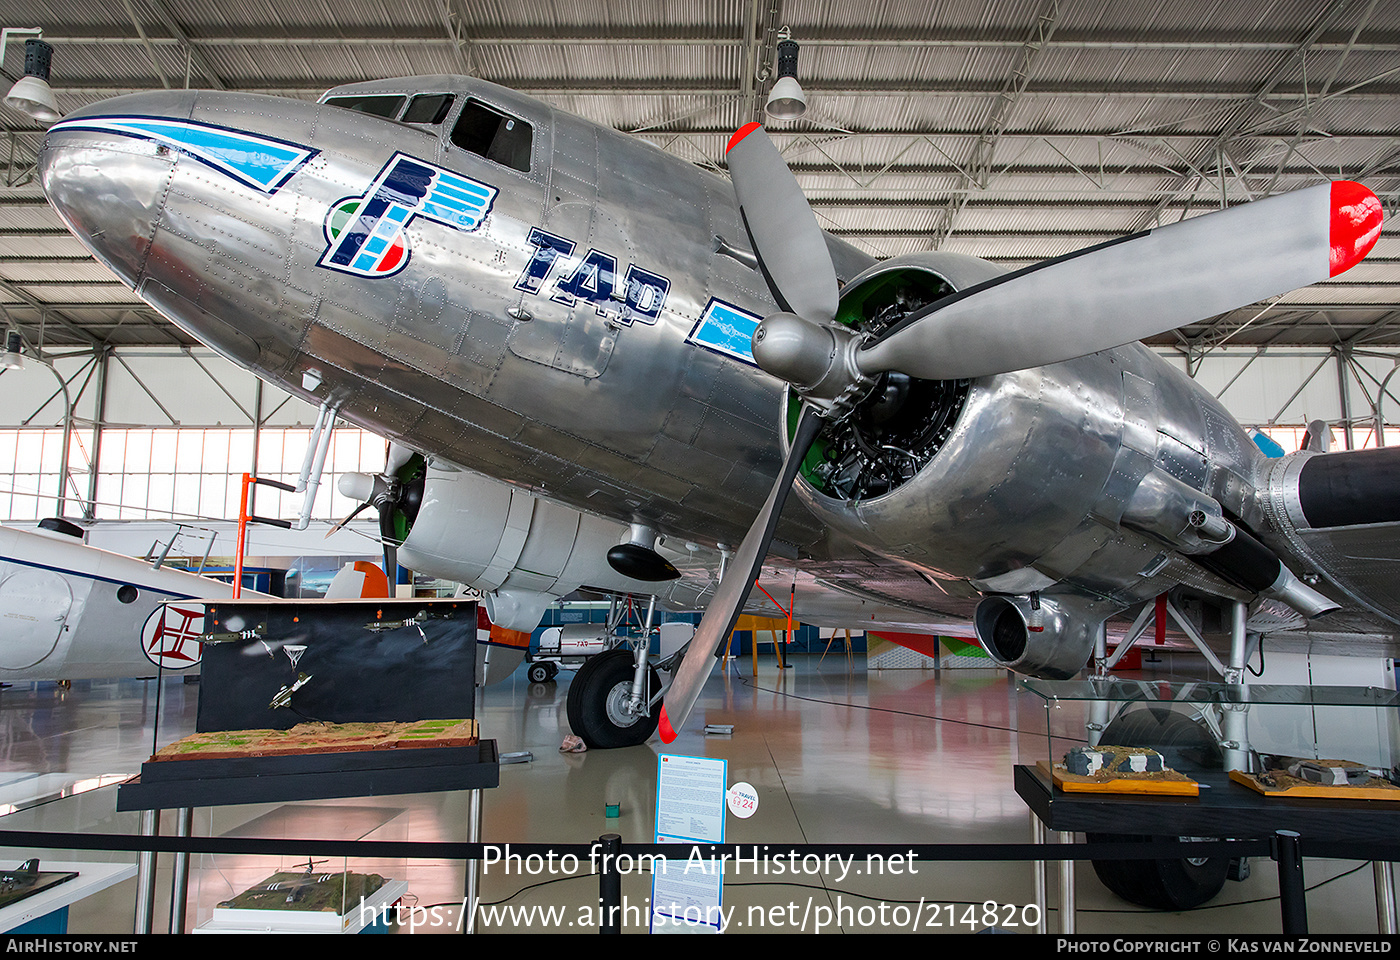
(428,108)
(377,106)
(494,135)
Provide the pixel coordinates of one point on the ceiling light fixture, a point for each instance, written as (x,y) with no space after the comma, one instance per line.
(787,101)
(32,95)
(13,358)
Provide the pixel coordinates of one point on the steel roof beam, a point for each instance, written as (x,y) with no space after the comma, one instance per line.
(564,36)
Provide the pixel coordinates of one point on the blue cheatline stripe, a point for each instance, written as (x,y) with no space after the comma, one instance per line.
(90,576)
(253,160)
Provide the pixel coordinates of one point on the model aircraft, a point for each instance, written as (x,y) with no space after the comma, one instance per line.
(611,390)
(74,612)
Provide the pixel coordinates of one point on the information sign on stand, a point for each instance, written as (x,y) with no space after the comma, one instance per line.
(686,894)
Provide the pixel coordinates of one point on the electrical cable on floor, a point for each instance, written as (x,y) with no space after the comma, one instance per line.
(901,713)
(532,886)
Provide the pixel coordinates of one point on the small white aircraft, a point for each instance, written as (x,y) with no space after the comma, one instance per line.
(69,611)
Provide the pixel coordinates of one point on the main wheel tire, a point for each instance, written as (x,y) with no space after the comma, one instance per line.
(597,697)
(1181,884)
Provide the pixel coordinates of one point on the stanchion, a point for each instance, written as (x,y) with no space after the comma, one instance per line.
(610,885)
(1290,881)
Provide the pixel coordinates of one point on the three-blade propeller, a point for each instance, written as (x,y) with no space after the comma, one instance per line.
(1099,298)
(390,495)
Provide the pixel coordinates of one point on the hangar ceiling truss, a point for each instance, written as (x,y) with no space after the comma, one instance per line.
(1015,130)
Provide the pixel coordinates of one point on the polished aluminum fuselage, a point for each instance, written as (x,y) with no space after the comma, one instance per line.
(623,419)
(618,415)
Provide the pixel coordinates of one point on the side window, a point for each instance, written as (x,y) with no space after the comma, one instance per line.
(493,135)
(428,108)
(377,105)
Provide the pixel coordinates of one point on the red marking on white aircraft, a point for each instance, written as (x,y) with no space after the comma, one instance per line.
(170,637)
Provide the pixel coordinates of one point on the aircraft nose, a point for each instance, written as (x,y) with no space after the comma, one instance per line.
(109,184)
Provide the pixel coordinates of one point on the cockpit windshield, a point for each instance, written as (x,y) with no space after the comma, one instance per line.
(425,108)
(376,105)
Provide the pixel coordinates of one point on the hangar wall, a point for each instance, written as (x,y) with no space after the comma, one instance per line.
(159,433)
(162,432)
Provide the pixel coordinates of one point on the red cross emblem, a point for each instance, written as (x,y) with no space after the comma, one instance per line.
(170,637)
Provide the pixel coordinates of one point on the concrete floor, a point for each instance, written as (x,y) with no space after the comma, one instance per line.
(894,756)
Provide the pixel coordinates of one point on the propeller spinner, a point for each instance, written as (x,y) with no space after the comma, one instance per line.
(1096,299)
(395,495)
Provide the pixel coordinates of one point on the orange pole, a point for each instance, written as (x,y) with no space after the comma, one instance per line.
(242,537)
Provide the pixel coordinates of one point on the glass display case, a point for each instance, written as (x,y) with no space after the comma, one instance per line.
(243,893)
(1213,728)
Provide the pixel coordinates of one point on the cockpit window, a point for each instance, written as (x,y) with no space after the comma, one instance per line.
(377,105)
(428,108)
(493,135)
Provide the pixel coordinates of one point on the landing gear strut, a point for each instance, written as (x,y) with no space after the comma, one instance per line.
(1186,744)
(614,698)
(598,703)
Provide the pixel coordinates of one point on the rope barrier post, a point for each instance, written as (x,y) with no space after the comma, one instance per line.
(610,885)
(1292,900)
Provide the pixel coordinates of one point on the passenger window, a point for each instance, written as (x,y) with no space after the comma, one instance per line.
(428,108)
(377,106)
(495,136)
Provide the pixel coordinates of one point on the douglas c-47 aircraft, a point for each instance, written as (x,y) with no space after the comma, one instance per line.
(616,366)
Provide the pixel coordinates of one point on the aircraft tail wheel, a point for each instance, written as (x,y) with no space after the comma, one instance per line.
(597,700)
(1163,884)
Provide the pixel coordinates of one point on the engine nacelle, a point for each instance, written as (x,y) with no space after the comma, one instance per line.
(1337,513)
(948,469)
(1089,474)
(521,551)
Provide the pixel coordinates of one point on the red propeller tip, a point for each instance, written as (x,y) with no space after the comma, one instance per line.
(664,725)
(741,133)
(1356,224)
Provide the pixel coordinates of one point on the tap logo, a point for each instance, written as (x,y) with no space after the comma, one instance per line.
(365,234)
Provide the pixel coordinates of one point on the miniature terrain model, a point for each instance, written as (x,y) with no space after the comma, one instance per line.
(1113,769)
(1301,777)
(312,892)
(321,738)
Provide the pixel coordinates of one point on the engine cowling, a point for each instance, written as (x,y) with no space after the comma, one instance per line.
(940,473)
(1079,481)
(521,551)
